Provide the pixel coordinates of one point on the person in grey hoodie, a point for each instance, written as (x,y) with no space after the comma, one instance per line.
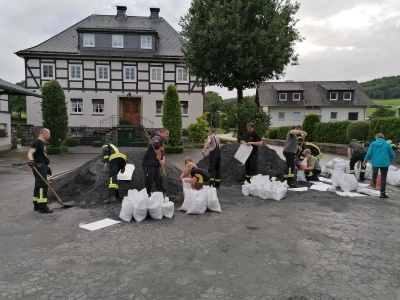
(381,154)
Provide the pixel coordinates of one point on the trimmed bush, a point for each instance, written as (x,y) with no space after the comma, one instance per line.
(389,126)
(272,133)
(331,132)
(357,130)
(309,125)
(57,150)
(172,115)
(170,149)
(71,142)
(283,131)
(98,143)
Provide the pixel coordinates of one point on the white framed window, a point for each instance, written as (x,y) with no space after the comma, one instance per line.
(77,106)
(158,108)
(48,71)
(282,96)
(347,96)
(296,96)
(117,41)
(129,74)
(333,96)
(182,75)
(156,74)
(296,116)
(75,72)
(88,40)
(333,115)
(185,108)
(146,42)
(103,73)
(281,115)
(98,106)
(353,116)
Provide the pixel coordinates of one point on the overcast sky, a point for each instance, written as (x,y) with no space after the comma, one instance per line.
(345,39)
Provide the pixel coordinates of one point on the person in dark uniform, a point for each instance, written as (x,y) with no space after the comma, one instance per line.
(38,158)
(115,161)
(290,150)
(153,159)
(356,153)
(214,158)
(315,150)
(198,177)
(251,138)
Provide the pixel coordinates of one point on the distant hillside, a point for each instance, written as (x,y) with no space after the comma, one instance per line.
(383,88)
(231,100)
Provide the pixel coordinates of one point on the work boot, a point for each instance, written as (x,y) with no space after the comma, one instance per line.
(44,209)
(383,195)
(35,206)
(217,184)
(110,199)
(292,184)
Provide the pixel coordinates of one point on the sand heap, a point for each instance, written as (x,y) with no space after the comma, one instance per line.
(88,184)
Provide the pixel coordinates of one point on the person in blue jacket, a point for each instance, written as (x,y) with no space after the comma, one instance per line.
(381,154)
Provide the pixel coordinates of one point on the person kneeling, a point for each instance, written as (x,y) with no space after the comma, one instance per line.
(313,167)
(197,177)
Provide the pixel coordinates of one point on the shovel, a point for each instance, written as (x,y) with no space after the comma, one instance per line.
(66,205)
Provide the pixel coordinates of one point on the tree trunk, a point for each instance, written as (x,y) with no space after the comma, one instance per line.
(240,130)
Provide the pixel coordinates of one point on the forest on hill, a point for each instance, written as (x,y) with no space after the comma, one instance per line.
(382,88)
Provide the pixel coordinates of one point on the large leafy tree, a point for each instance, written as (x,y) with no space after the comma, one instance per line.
(383,111)
(213,104)
(54,112)
(172,116)
(238,44)
(18,102)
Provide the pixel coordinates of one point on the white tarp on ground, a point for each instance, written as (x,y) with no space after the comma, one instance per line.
(99,224)
(127,175)
(243,152)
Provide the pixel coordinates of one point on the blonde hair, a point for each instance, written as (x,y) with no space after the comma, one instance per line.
(188,159)
(307,151)
(189,166)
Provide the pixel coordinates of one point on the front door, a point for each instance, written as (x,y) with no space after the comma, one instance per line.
(131,110)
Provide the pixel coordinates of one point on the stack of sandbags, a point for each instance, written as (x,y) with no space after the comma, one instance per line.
(261,186)
(198,201)
(137,205)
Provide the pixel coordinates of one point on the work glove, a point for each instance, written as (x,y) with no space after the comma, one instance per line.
(122,170)
(31,163)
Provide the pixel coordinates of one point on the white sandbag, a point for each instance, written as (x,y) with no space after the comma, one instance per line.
(348,183)
(341,166)
(357,171)
(168,208)
(189,196)
(301,175)
(212,201)
(199,203)
(127,207)
(392,168)
(246,189)
(154,205)
(335,177)
(303,164)
(277,193)
(330,164)
(133,193)
(338,160)
(367,191)
(255,190)
(186,185)
(140,208)
(263,193)
(393,178)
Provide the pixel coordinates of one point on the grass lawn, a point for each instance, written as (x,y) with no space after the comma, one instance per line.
(385,102)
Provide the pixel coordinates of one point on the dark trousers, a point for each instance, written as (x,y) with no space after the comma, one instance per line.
(311,175)
(153,174)
(384,171)
(214,165)
(114,166)
(353,160)
(40,190)
(251,166)
(290,166)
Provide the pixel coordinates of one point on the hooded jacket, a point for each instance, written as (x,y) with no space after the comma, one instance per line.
(381,153)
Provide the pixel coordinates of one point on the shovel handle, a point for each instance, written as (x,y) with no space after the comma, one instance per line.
(151,143)
(48,185)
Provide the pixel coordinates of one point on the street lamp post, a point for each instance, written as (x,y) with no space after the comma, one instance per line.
(212,115)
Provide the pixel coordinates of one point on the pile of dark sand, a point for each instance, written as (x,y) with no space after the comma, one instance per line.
(88,185)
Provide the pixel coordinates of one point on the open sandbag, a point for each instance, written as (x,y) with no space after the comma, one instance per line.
(189,196)
(348,182)
(154,205)
(168,208)
(126,213)
(140,207)
(212,202)
(199,203)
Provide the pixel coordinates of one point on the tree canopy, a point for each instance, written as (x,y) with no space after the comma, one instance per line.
(18,102)
(54,112)
(238,44)
(383,111)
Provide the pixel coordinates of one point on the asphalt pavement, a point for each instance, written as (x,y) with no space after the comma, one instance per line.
(309,245)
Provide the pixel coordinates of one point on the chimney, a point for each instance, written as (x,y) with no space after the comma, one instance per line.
(154,13)
(121,12)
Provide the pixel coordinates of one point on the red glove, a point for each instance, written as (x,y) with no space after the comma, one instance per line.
(122,170)
(31,163)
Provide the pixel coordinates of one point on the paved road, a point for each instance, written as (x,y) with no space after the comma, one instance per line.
(310,245)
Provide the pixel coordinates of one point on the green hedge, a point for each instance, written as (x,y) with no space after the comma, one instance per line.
(331,132)
(389,126)
(282,132)
(272,133)
(139,144)
(357,130)
(71,142)
(57,150)
(177,149)
(98,143)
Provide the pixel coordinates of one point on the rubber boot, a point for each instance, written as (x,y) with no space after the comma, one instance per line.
(383,195)
(111,196)
(217,184)
(35,206)
(44,209)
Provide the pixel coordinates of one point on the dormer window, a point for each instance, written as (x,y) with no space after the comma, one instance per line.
(282,96)
(146,42)
(347,96)
(333,96)
(118,41)
(88,40)
(296,96)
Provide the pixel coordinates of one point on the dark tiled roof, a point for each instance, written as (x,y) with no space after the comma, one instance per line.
(66,42)
(8,88)
(315,93)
